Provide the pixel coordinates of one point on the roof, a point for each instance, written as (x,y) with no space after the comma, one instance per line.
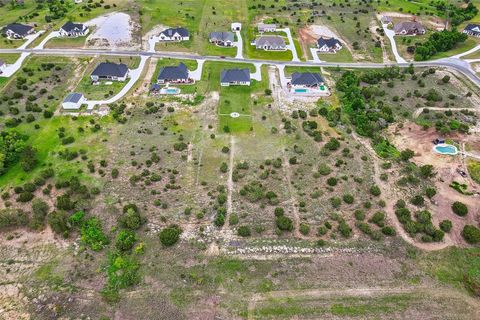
(235,75)
(171,31)
(408,26)
(19,28)
(2,63)
(331,42)
(110,69)
(73,97)
(70,26)
(473,28)
(221,36)
(173,72)
(267,26)
(270,40)
(306,78)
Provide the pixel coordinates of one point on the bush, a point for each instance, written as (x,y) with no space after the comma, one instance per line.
(92,235)
(375,190)
(244,231)
(10,218)
(25,196)
(348,198)
(446,225)
(125,240)
(460,208)
(322,230)
(471,234)
(279,211)
(131,218)
(59,222)
(170,235)
(344,229)
(304,229)
(378,218)
(40,209)
(359,215)
(388,231)
(332,181)
(284,223)
(64,202)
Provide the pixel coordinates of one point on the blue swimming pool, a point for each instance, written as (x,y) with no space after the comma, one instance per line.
(301,90)
(446,149)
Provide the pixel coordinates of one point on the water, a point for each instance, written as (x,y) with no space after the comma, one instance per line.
(446,149)
(301,90)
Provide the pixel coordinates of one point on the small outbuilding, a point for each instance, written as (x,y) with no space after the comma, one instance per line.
(236,26)
(472,30)
(73,101)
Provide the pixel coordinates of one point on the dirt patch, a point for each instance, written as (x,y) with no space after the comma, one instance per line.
(155,31)
(113,30)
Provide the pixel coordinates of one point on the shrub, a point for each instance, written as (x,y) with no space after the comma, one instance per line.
(332,181)
(471,234)
(304,229)
(244,231)
(40,210)
(359,215)
(344,229)
(284,223)
(446,225)
(10,218)
(322,230)
(348,198)
(460,208)
(388,231)
(279,211)
(170,235)
(25,196)
(64,202)
(378,218)
(417,200)
(324,169)
(125,240)
(375,190)
(59,222)
(430,192)
(92,235)
(131,219)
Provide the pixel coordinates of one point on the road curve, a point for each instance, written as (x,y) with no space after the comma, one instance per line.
(450,63)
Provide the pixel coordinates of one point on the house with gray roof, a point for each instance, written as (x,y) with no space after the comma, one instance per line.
(174,74)
(472,30)
(235,77)
(73,101)
(306,80)
(73,30)
(270,43)
(110,71)
(409,28)
(17,31)
(331,45)
(174,34)
(222,39)
(266,27)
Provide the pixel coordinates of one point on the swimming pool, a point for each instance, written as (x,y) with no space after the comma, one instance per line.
(446,149)
(301,90)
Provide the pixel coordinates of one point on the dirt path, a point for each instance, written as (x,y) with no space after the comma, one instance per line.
(356,292)
(373,29)
(390,198)
(230,180)
(145,85)
(293,200)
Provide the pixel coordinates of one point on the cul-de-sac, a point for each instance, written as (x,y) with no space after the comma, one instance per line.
(249,159)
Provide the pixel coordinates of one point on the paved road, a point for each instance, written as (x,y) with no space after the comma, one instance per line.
(450,63)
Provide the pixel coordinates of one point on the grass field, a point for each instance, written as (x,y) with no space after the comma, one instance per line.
(474,170)
(343,55)
(66,42)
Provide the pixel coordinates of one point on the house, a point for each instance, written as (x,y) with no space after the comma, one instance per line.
(410,28)
(73,30)
(263,27)
(328,45)
(386,20)
(174,74)
(110,71)
(306,80)
(235,77)
(73,100)
(3,65)
(270,43)
(223,39)
(472,30)
(236,26)
(17,31)
(174,34)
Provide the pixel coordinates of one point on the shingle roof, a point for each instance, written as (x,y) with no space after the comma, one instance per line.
(70,26)
(306,78)
(173,72)
(263,26)
(332,42)
(221,36)
(171,31)
(408,26)
(110,69)
(275,41)
(73,97)
(235,75)
(473,28)
(19,28)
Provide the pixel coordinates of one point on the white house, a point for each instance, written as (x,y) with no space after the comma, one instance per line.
(232,77)
(331,45)
(236,26)
(110,71)
(18,31)
(472,30)
(174,34)
(73,30)
(73,101)
(264,27)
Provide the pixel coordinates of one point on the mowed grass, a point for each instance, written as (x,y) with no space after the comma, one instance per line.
(78,42)
(191,65)
(343,55)
(474,170)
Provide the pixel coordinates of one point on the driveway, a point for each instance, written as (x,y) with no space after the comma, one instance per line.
(239,45)
(291,44)
(134,76)
(257,75)
(283,78)
(314,52)
(10,69)
(30,38)
(51,35)
(391,36)
(197,73)
(467,52)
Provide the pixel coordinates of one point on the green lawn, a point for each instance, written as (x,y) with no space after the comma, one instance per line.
(9,58)
(462,47)
(66,42)
(191,65)
(10,44)
(343,55)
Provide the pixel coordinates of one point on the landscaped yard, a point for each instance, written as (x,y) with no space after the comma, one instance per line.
(343,55)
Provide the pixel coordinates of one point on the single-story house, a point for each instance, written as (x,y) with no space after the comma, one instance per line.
(235,77)
(270,43)
(17,30)
(73,100)
(110,71)
(472,30)
(264,27)
(236,26)
(73,30)
(386,20)
(306,80)
(410,28)
(223,39)
(328,45)
(3,65)
(174,34)
(174,74)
